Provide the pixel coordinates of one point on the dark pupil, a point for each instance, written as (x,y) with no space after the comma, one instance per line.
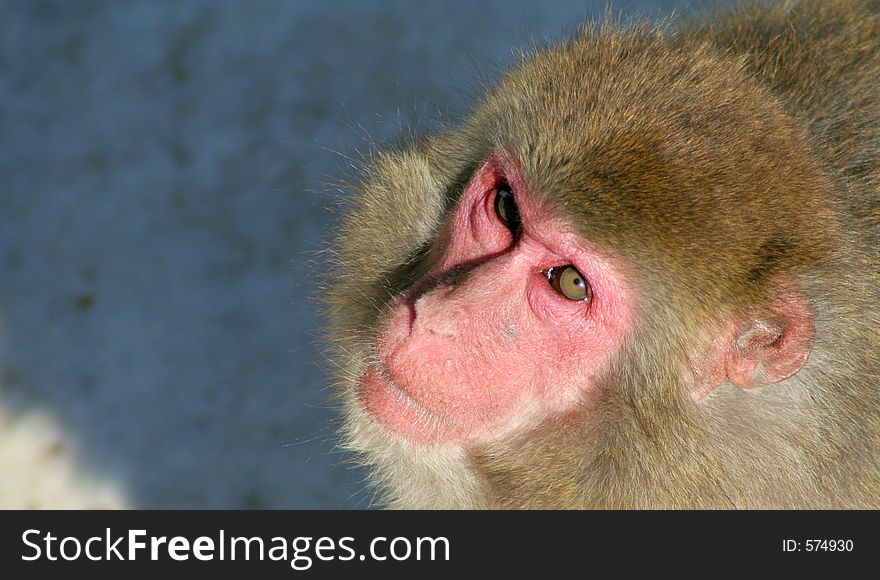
(506,209)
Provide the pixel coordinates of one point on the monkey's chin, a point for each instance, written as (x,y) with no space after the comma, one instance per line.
(401,415)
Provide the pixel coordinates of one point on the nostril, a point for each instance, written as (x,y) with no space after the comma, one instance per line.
(432,313)
(444,327)
(441,333)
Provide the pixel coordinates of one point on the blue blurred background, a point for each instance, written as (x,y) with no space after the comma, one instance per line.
(166,179)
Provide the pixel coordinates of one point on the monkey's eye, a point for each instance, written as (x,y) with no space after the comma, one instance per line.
(568,282)
(505,207)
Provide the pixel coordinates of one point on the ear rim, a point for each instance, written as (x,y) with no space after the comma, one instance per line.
(765,348)
(776,345)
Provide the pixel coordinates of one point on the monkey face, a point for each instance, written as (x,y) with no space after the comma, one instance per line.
(510,324)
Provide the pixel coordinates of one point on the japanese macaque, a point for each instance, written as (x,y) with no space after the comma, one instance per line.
(643,273)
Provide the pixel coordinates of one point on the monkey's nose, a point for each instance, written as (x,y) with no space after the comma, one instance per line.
(437,313)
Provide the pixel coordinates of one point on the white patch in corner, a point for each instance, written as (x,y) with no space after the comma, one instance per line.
(39,470)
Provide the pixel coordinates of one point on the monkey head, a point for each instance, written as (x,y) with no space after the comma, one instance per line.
(599,290)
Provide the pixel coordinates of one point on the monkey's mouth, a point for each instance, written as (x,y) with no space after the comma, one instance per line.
(397,411)
(405,397)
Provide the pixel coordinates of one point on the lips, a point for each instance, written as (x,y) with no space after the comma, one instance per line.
(395,388)
(397,411)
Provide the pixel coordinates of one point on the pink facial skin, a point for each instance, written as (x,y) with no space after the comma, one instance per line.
(468,357)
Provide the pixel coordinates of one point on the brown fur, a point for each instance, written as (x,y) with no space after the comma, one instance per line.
(713,163)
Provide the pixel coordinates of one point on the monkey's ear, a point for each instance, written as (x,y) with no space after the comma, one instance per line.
(774,345)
